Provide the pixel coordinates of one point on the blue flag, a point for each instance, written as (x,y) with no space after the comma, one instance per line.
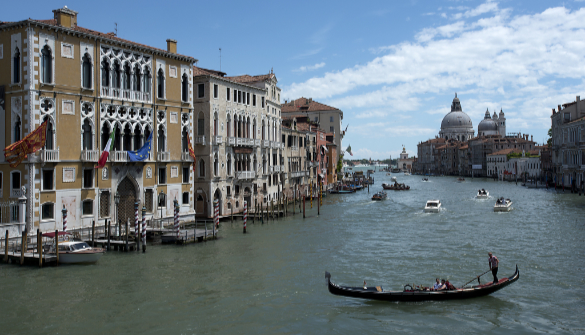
(142,153)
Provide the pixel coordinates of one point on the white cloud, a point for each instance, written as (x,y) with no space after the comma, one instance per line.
(310,67)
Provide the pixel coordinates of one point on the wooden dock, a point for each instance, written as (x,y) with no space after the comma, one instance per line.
(29,258)
(187,236)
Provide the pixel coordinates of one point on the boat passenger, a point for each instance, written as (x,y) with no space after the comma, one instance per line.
(449,286)
(437,285)
(443,286)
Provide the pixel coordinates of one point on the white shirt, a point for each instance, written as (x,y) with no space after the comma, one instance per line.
(437,286)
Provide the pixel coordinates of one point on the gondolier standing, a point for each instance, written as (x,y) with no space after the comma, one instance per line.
(494,262)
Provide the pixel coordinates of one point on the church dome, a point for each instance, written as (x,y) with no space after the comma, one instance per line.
(487,124)
(456,118)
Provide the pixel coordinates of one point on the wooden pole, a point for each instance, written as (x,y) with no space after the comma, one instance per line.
(6,247)
(303,207)
(318,204)
(294,203)
(232,209)
(127,222)
(22,246)
(286,207)
(109,224)
(93,233)
(137,239)
(57,245)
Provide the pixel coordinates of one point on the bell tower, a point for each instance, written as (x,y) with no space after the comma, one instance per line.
(502,124)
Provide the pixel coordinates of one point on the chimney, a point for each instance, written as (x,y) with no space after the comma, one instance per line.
(559,107)
(553,111)
(65,17)
(531,138)
(172,46)
(310,100)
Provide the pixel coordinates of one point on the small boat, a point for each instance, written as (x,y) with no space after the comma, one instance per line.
(395,187)
(76,252)
(407,173)
(425,179)
(388,174)
(410,294)
(433,206)
(482,194)
(503,205)
(380,196)
(460,180)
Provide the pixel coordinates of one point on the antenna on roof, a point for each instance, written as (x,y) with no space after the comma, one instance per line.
(116,29)
(219,59)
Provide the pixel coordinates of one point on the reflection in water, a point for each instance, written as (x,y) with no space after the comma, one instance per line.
(271,280)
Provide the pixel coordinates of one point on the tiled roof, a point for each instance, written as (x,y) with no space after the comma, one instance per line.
(305,105)
(108,36)
(505,152)
(251,79)
(463,147)
(207,72)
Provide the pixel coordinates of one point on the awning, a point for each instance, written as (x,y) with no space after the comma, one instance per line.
(52,234)
(325,148)
(322,176)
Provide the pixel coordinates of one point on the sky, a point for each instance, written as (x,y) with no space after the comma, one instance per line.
(392,67)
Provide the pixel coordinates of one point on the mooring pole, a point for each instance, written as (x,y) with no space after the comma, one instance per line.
(22,247)
(303,207)
(109,223)
(93,233)
(57,245)
(40,247)
(245,214)
(143,228)
(6,247)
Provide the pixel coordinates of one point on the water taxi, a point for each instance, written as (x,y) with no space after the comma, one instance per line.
(503,205)
(433,206)
(380,196)
(482,194)
(78,252)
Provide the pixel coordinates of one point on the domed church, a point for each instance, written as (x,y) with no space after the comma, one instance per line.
(492,125)
(456,125)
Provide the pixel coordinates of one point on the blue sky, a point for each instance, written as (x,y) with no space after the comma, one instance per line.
(392,66)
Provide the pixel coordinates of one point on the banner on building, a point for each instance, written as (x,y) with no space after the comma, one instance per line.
(19,151)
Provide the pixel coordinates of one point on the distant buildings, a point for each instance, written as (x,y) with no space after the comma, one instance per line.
(404,163)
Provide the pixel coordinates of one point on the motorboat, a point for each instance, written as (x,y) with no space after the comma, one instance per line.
(503,205)
(380,196)
(460,180)
(433,206)
(482,194)
(425,179)
(407,173)
(395,187)
(412,294)
(75,252)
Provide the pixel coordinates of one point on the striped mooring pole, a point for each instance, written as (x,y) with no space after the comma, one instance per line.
(143,228)
(136,222)
(215,215)
(176,217)
(311,194)
(245,214)
(64,218)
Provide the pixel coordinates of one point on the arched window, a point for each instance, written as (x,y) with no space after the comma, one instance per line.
(200,124)
(87,136)
(117,140)
(215,165)
(16,66)
(127,138)
(105,135)
(46,65)
(229,165)
(161,84)
(201,168)
(105,74)
(126,76)
(49,141)
(147,80)
(138,138)
(229,124)
(185,88)
(17,129)
(86,71)
(161,139)
(116,80)
(137,79)
(185,140)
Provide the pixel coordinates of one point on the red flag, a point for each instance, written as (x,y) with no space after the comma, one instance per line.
(191,153)
(104,157)
(31,143)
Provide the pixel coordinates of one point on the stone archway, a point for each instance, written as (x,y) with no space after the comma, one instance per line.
(127,190)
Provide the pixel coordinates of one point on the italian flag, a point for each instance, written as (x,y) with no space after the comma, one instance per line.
(104,157)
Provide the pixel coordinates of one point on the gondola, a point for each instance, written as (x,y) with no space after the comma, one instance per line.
(411,294)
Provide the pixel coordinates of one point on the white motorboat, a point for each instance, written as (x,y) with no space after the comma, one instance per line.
(503,205)
(407,173)
(482,194)
(433,206)
(73,252)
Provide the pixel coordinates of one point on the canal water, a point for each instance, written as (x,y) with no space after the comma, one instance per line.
(271,280)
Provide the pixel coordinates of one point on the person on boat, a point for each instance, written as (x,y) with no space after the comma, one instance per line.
(438,285)
(494,262)
(449,286)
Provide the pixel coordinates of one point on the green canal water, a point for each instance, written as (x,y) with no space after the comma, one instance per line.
(271,280)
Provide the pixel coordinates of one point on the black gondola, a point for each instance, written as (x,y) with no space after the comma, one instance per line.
(410,294)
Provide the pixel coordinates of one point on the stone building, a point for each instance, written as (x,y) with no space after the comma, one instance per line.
(495,125)
(404,163)
(482,146)
(237,141)
(568,143)
(86,84)
(426,163)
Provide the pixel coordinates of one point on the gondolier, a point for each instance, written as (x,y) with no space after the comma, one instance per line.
(494,262)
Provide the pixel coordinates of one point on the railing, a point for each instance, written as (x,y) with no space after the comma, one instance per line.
(231,141)
(118,156)
(110,92)
(186,157)
(297,174)
(246,174)
(265,144)
(163,156)
(9,212)
(16,193)
(245,141)
(217,140)
(276,168)
(50,155)
(199,140)
(90,155)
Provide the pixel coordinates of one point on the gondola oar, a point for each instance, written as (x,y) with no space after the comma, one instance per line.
(476,278)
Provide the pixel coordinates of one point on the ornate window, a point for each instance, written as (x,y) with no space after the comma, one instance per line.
(126,76)
(105,73)
(161,138)
(104,204)
(86,71)
(87,126)
(48,112)
(185,88)
(201,168)
(200,124)
(185,139)
(16,131)
(137,79)
(47,65)
(16,67)
(116,76)
(161,84)
(147,80)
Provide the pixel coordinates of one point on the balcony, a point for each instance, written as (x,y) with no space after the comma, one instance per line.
(118,156)
(231,141)
(265,144)
(48,156)
(248,142)
(276,168)
(257,143)
(90,155)
(217,140)
(163,156)
(185,157)
(246,174)
(118,93)
(199,140)
(17,192)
